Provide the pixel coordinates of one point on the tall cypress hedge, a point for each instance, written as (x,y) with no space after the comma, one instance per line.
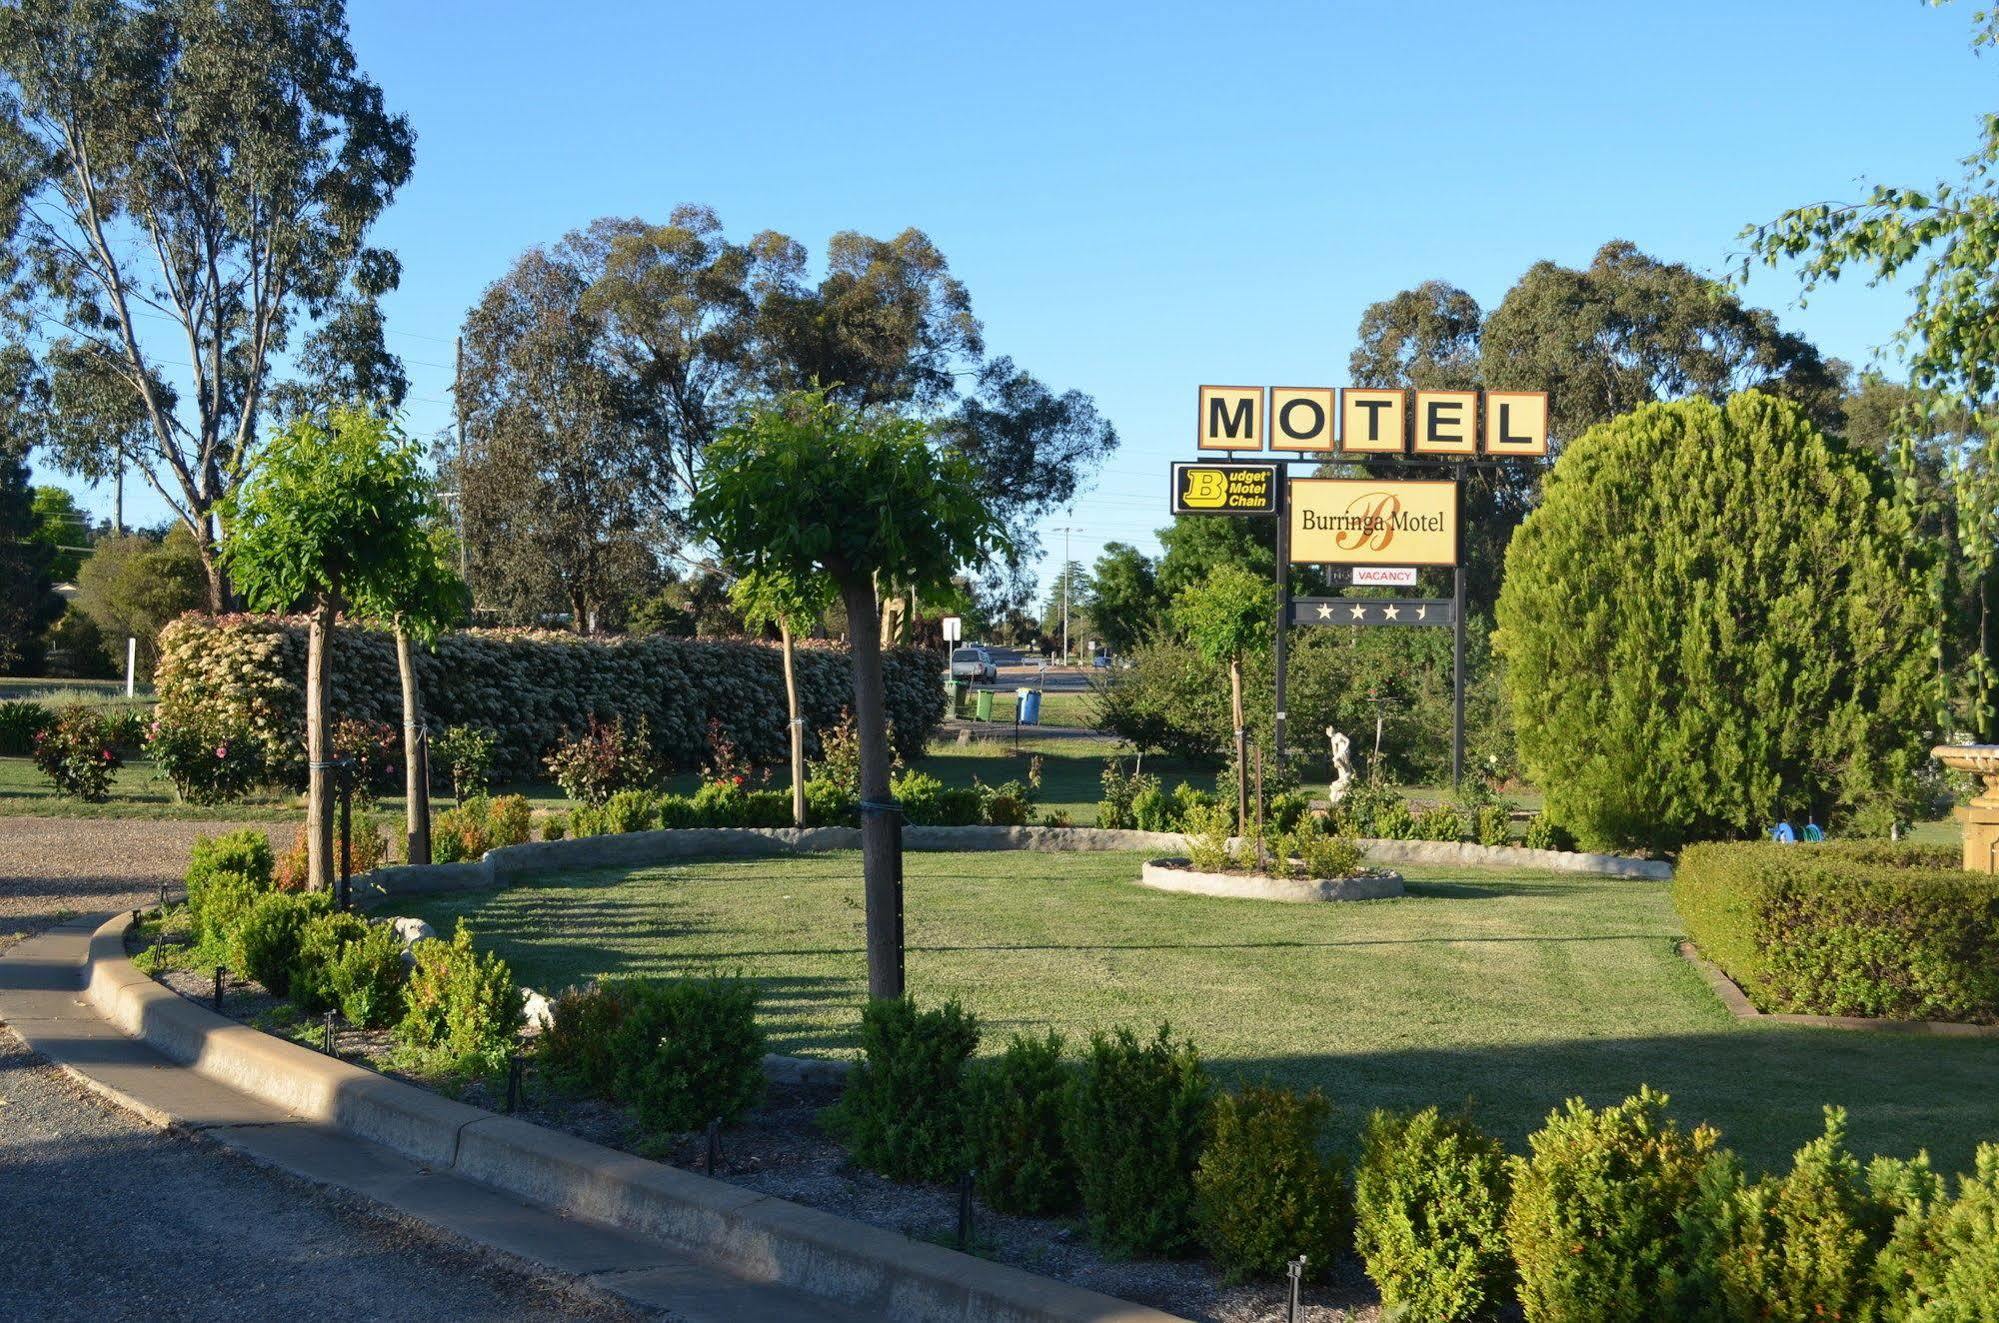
(532,687)
(1717,617)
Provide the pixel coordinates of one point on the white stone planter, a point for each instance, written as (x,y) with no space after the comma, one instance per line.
(1176,875)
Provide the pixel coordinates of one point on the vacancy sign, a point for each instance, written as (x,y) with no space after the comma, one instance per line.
(1384,576)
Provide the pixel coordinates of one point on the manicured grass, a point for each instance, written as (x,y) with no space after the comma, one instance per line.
(1515,990)
(137,791)
(59,692)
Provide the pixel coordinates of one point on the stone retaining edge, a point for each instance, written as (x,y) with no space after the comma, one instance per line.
(509,863)
(1177,876)
(766,1237)
(1738,1004)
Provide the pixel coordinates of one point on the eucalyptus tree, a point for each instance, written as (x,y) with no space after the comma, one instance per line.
(806,486)
(28,602)
(1940,239)
(189,186)
(336,516)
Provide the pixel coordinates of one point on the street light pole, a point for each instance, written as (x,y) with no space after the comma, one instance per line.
(1065,594)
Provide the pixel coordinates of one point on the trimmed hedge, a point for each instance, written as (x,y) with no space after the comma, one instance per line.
(532,687)
(1867,928)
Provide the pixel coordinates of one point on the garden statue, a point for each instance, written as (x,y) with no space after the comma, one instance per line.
(1342,766)
(1981,815)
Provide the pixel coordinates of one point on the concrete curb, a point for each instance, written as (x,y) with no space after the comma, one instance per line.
(511,863)
(1176,875)
(1739,1005)
(763,1238)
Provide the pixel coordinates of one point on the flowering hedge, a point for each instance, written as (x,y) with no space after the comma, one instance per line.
(531,688)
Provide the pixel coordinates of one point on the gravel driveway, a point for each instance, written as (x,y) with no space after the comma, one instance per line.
(52,868)
(108,1218)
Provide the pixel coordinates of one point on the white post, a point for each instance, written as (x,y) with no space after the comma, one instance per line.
(131,662)
(1065,595)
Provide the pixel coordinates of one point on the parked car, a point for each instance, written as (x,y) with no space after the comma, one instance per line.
(973,664)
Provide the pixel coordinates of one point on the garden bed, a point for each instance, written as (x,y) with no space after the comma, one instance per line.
(1181,875)
(780,1149)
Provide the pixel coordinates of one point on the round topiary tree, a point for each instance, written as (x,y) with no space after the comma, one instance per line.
(1717,617)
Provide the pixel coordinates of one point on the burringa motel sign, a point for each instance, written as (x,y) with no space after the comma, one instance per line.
(1385,527)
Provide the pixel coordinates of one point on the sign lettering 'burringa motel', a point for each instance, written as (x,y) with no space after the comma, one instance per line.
(1365,421)
(1369,521)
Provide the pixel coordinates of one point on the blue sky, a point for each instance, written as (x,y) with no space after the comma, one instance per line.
(1142,198)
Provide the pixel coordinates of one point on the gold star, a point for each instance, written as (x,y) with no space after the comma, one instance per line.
(1325,611)
(1359,611)
(1391,612)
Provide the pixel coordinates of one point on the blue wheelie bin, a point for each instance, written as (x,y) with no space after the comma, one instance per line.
(1030,706)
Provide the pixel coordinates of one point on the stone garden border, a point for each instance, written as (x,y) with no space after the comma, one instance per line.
(764,1237)
(1739,1005)
(1176,875)
(515,863)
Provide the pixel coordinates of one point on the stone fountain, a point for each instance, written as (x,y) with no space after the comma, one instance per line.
(1981,818)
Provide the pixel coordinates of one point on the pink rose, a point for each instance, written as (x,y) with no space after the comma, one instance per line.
(221,751)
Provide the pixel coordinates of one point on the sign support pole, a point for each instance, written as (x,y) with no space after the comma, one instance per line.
(1458,653)
(1280,653)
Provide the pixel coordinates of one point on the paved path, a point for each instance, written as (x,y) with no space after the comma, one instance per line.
(200,1201)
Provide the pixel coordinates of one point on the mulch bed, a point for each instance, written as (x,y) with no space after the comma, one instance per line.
(780,1150)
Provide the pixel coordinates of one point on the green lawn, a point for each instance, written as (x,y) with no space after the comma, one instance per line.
(1065,708)
(1512,989)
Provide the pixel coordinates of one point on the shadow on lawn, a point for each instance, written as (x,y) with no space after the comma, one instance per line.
(1763,1086)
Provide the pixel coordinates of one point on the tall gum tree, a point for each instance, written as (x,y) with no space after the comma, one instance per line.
(806,486)
(188,189)
(336,515)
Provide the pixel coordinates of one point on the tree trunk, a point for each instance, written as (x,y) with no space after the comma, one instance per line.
(797,729)
(1241,749)
(416,770)
(218,587)
(319,793)
(881,832)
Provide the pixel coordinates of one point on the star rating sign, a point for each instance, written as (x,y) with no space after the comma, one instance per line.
(1371,612)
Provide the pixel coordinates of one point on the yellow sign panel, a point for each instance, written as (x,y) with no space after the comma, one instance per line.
(1516,422)
(1301,418)
(1231,418)
(1224,489)
(1447,422)
(1373,422)
(1373,521)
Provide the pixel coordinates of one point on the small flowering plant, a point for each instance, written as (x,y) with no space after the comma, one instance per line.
(75,754)
(606,758)
(208,760)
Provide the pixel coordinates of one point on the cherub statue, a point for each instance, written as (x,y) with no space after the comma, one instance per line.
(1342,766)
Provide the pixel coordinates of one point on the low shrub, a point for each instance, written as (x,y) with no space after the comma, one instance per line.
(267,938)
(1151,809)
(928,802)
(1440,822)
(1596,1210)
(1135,1122)
(20,721)
(625,811)
(1492,824)
(1544,833)
(74,752)
(1208,828)
(1186,799)
(1118,809)
(576,1051)
(555,826)
(367,977)
(830,804)
(1942,1264)
(608,756)
(460,1004)
(319,946)
(1008,804)
(1798,1246)
(1308,850)
(1848,928)
(1265,1190)
(903,1113)
(1429,1205)
(208,760)
(1013,1126)
(367,849)
(689,1050)
(480,824)
(224,875)
(466,755)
